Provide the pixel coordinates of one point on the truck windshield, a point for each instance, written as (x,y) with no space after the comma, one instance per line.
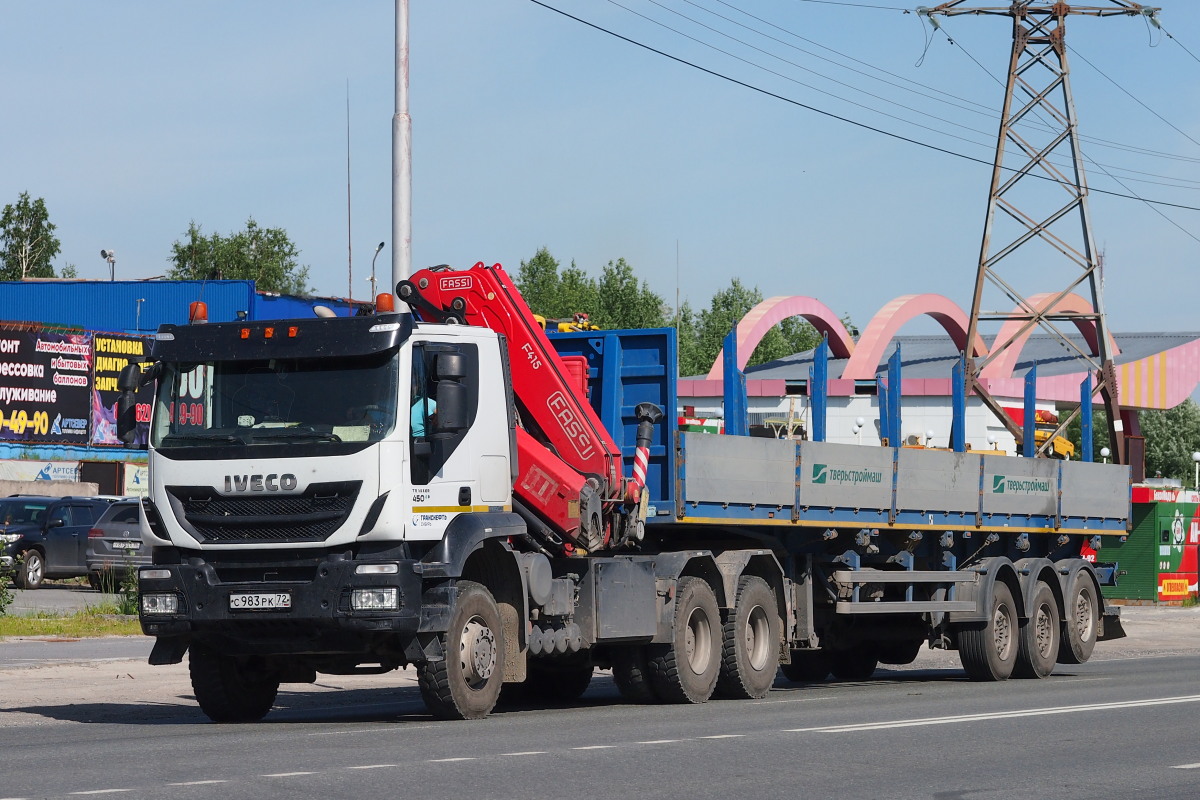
(276,401)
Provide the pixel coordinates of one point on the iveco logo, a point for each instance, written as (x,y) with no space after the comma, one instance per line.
(260,483)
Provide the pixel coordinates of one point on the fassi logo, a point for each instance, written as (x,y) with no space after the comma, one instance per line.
(455,283)
(571,425)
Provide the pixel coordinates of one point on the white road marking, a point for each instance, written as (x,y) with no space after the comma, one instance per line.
(195,783)
(1035,712)
(445,760)
(1186,766)
(595,747)
(774,702)
(104,791)
(374,766)
(287,774)
(526,753)
(659,741)
(724,736)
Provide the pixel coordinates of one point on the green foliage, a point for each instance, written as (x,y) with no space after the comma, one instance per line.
(265,255)
(552,294)
(27,240)
(1171,438)
(623,301)
(6,595)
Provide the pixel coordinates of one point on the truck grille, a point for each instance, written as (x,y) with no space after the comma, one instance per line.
(309,517)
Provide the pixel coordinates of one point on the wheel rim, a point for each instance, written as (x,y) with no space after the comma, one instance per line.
(1002,631)
(758,638)
(477,652)
(33,567)
(697,641)
(1044,632)
(1083,616)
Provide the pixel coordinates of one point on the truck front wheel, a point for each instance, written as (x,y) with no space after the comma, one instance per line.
(685,671)
(750,650)
(466,683)
(229,690)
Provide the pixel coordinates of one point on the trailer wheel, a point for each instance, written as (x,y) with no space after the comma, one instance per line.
(230,690)
(988,650)
(631,673)
(808,666)
(1040,636)
(685,671)
(750,642)
(856,664)
(466,683)
(1081,620)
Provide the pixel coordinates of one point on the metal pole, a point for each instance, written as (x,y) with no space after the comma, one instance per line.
(401,157)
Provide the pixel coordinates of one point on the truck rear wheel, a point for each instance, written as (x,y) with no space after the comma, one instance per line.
(808,666)
(631,673)
(685,671)
(229,690)
(988,649)
(466,683)
(1040,636)
(1081,620)
(750,642)
(856,664)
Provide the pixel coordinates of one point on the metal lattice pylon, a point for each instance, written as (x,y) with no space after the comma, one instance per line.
(1042,129)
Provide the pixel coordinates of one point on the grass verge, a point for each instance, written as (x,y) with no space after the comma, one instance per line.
(99,620)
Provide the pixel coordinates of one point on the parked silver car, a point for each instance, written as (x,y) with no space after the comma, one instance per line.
(115,544)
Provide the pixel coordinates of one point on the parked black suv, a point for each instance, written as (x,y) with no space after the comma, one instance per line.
(48,534)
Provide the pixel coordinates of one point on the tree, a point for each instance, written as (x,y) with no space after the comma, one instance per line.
(623,301)
(1171,438)
(265,255)
(27,240)
(555,295)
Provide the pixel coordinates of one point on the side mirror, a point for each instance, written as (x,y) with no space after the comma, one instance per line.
(451,406)
(451,366)
(132,378)
(57,522)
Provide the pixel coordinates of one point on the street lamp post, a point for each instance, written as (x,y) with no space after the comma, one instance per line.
(1105,453)
(377,249)
(1196,479)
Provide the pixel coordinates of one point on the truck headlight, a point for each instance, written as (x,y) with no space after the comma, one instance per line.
(160,604)
(383,599)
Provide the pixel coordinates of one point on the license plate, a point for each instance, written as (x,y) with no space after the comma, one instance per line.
(260,601)
(127,545)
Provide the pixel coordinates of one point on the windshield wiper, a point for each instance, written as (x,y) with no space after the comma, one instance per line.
(180,438)
(290,434)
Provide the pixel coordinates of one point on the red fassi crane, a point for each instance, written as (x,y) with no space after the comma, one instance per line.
(570,474)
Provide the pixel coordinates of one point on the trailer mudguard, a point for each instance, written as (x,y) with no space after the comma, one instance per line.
(1031,571)
(989,570)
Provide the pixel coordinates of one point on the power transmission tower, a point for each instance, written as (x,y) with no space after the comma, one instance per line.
(1043,126)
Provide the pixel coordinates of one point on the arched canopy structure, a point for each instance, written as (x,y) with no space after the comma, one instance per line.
(887,323)
(770,312)
(1004,364)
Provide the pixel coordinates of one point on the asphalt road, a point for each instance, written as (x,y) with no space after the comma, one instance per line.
(1123,727)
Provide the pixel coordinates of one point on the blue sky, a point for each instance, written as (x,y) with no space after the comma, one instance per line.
(133,118)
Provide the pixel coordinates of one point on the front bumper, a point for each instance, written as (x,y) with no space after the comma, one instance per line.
(320,619)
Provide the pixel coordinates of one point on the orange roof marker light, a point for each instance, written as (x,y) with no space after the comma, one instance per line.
(197,312)
(384,302)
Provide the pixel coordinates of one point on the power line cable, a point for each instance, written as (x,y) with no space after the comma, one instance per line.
(1043,124)
(822,112)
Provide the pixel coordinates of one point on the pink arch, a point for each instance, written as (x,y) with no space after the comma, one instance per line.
(770,312)
(1006,362)
(893,316)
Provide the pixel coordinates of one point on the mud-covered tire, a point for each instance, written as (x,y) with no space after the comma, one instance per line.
(631,674)
(466,683)
(1081,620)
(856,664)
(808,666)
(1040,635)
(686,669)
(750,642)
(32,571)
(988,649)
(228,689)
